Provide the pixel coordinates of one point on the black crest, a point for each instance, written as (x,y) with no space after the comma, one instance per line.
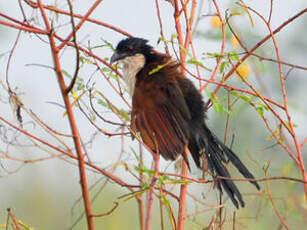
(133,45)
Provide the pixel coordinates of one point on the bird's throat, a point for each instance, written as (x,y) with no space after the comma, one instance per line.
(131,66)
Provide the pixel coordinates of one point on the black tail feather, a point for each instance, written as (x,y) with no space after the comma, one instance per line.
(240,166)
(228,185)
(217,154)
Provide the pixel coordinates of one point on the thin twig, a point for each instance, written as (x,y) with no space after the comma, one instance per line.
(278,29)
(161,28)
(180,35)
(24,28)
(73,81)
(82,21)
(59,11)
(283,87)
(223,44)
(108,212)
(282,220)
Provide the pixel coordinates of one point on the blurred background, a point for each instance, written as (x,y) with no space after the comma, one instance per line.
(46,194)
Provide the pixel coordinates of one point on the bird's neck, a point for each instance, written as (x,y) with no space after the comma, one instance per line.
(131,66)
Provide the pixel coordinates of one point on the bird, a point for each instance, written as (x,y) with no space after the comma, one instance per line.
(168,112)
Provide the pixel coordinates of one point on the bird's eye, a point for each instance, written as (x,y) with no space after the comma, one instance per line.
(129,48)
(126,48)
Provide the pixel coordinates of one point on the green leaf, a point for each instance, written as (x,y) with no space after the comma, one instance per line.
(108,44)
(165,201)
(223,65)
(104,104)
(105,69)
(66,74)
(260,111)
(124,114)
(135,154)
(262,105)
(93,117)
(25,226)
(217,107)
(145,185)
(85,60)
(145,171)
(155,70)
(186,51)
(243,97)
(179,181)
(215,55)
(288,124)
(195,62)
(234,56)
(164,178)
(235,13)
(135,194)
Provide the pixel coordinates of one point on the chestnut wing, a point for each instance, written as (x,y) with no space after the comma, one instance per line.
(161,116)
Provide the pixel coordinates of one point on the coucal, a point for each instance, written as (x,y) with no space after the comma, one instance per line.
(169,114)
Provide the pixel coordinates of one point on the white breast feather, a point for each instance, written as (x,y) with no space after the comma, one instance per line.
(131,66)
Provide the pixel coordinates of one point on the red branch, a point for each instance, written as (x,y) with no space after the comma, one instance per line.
(69,154)
(183,194)
(223,44)
(83,19)
(59,11)
(73,124)
(179,34)
(13,219)
(151,191)
(24,28)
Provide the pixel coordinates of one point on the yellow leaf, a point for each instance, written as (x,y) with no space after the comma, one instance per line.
(74,95)
(244,7)
(3,226)
(276,132)
(234,42)
(216,22)
(243,70)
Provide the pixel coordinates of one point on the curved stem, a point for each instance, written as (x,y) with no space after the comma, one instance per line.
(183,194)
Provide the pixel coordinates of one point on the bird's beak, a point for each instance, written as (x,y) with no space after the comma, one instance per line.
(115,57)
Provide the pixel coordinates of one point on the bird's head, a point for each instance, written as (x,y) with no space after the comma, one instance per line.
(130,47)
